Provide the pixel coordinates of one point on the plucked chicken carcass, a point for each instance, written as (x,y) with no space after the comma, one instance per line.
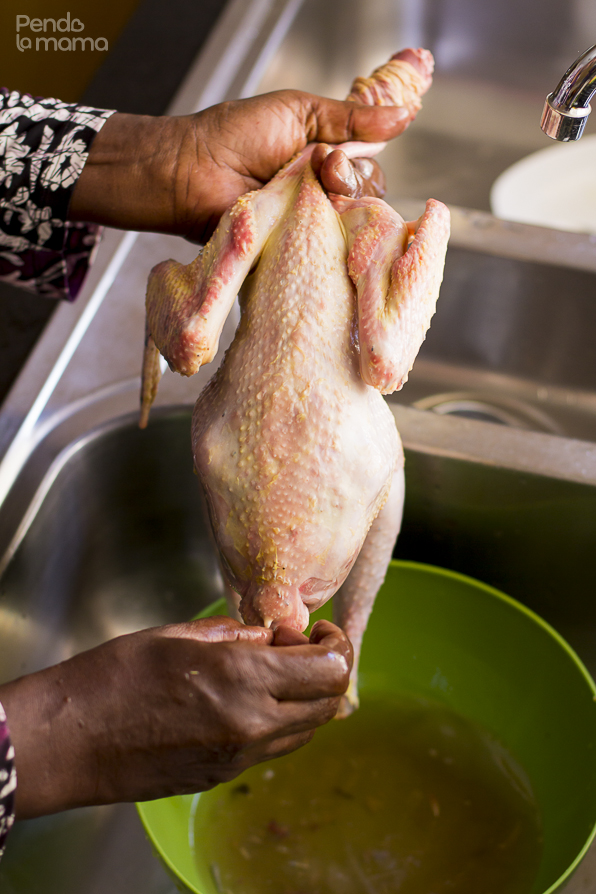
(295,447)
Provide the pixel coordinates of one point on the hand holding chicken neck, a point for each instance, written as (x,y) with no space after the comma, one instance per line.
(179,174)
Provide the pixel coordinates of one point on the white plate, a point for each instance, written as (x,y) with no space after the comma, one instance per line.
(555,187)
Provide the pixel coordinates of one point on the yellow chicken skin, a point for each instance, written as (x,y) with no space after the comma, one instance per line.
(293,443)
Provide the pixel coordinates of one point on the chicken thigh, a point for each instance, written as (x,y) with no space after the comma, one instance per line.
(293,443)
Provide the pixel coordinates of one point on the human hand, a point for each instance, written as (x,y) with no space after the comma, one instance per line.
(178,175)
(241,146)
(169,710)
(347,177)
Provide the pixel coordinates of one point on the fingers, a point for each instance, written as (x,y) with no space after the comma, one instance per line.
(327,634)
(288,636)
(295,717)
(373,178)
(286,744)
(318,670)
(305,669)
(339,175)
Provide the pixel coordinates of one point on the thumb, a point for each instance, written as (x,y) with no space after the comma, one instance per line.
(332,121)
(219,629)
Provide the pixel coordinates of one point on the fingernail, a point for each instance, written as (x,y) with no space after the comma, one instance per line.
(345,172)
(406,119)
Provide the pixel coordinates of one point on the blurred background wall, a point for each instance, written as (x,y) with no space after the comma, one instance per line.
(52,72)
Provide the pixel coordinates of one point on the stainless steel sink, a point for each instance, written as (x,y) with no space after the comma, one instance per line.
(511,343)
(101,525)
(116,540)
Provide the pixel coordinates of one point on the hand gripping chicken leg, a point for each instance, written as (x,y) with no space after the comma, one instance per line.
(295,448)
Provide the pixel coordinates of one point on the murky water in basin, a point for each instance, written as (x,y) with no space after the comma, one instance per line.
(402,797)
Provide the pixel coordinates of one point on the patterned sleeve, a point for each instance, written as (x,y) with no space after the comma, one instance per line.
(8,781)
(44,144)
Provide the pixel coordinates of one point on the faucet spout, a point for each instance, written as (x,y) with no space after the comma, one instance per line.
(567,108)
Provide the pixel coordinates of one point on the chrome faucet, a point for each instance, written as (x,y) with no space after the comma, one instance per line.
(567,108)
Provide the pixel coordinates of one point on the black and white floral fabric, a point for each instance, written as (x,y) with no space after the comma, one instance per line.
(8,781)
(44,144)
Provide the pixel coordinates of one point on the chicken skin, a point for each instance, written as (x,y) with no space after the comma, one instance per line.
(296,450)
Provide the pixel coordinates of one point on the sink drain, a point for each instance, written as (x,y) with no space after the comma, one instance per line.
(470,405)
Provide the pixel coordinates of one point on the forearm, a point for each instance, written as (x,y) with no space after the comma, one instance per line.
(52,773)
(132,176)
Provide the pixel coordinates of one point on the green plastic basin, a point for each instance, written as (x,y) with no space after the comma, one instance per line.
(442,635)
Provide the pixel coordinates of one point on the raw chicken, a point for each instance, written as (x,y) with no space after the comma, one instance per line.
(295,448)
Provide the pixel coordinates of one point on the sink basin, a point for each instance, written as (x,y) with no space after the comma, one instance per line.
(511,343)
(116,540)
(117,543)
